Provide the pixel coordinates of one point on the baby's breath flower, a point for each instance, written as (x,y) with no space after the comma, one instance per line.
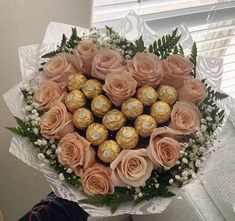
(41,156)
(61,176)
(185,173)
(198,163)
(185,160)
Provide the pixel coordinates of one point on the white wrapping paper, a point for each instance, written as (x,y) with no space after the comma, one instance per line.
(131,27)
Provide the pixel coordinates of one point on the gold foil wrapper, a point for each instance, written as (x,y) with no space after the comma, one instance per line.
(92,88)
(74,100)
(168,94)
(147,95)
(108,151)
(75,81)
(127,137)
(100,105)
(132,108)
(160,111)
(144,125)
(82,118)
(96,133)
(114,120)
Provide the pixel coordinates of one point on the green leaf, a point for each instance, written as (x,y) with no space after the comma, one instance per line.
(138,46)
(110,30)
(17,131)
(73,40)
(63,41)
(193,58)
(51,54)
(213,94)
(175,51)
(164,46)
(181,50)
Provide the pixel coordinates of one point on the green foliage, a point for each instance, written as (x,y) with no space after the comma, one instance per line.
(193,58)
(112,200)
(122,195)
(164,46)
(17,130)
(181,50)
(213,95)
(176,50)
(66,45)
(137,46)
(73,40)
(21,129)
(51,54)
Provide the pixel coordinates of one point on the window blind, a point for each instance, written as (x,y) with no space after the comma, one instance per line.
(211,22)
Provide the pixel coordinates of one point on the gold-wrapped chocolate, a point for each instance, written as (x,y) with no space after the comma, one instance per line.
(100,105)
(144,125)
(74,100)
(167,93)
(160,111)
(147,95)
(114,120)
(127,137)
(108,151)
(132,108)
(96,133)
(82,118)
(75,81)
(92,88)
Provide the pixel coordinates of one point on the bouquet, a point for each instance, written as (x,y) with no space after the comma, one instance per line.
(118,121)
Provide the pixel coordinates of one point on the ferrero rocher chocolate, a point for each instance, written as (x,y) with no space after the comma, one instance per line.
(147,95)
(160,111)
(96,133)
(75,81)
(108,151)
(82,118)
(127,137)
(132,108)
(92,88)
(74,100)
(144,125)
(100,105)
(114,120)
(168,94)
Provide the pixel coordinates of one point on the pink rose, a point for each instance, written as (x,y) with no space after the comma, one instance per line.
(176,68)
(86,50)
(106,61)
(47,93)
(131,167)
(146,69)
(59,68)
(185,117)
(56,122)
(163,149)
(97,180)
(119,87)
(76,153)
(193,90)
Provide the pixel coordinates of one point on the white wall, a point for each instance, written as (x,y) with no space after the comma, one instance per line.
(24,22)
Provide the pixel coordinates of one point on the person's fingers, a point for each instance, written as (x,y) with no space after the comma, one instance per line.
(1,216)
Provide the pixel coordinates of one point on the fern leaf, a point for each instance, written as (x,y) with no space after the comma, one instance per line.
(164,46)
(51,54)
(193,58)
(181,50)
(175,51)
(63,41)
(73,40)
(17,131)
